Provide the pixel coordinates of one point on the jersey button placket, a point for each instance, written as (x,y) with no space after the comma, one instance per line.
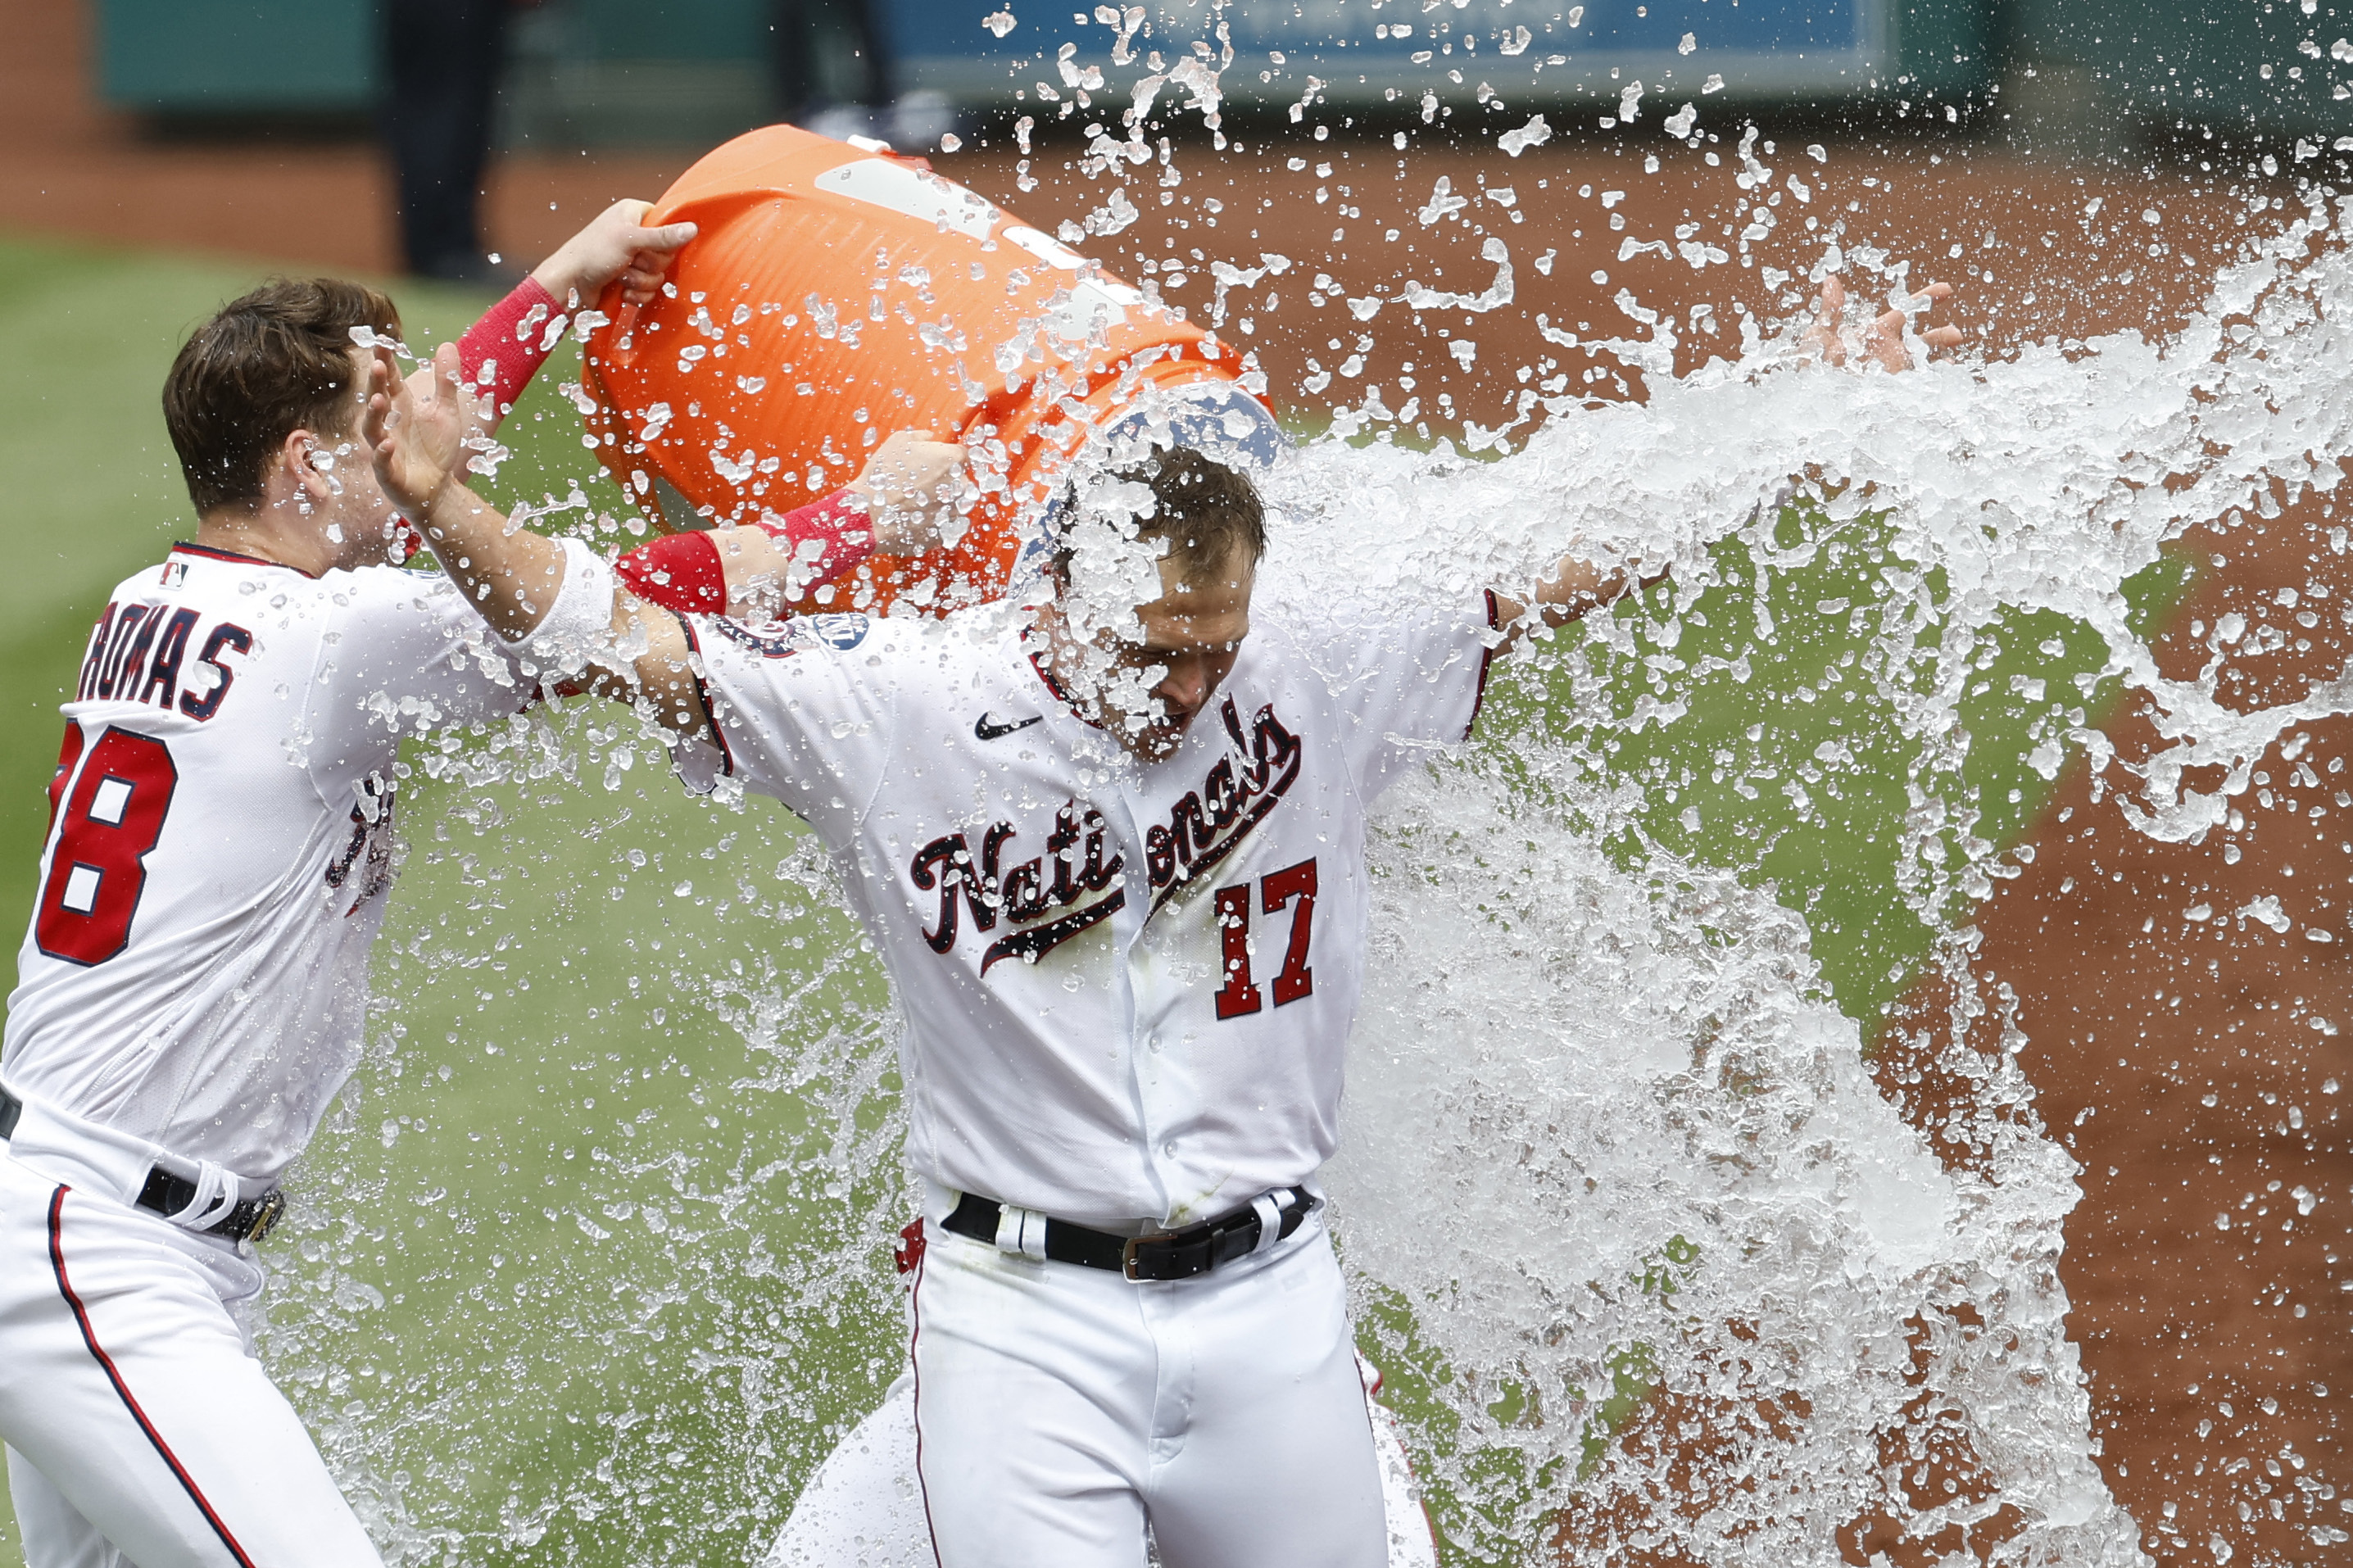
(1132,989)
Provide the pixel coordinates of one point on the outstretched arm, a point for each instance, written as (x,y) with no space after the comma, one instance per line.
(908,499)
(1571,591)
(1576,588)
(1883,340)
(511,575)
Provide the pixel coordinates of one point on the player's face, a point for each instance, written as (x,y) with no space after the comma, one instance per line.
(1192,634)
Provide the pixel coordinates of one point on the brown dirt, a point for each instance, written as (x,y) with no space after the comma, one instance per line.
(2182,1062)
(2195,1059)
(70,166)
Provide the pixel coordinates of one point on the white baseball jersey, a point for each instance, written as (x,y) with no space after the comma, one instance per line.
(220,841)
(1128,987)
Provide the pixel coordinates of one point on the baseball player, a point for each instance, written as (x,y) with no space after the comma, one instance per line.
(191,985)
(1111,848)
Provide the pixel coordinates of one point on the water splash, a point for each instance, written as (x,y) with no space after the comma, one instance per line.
(1650,1259)
(1618,1184)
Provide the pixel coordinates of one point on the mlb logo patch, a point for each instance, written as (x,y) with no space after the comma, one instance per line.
(175,573)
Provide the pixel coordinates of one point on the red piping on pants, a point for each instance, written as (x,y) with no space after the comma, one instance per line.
(98,1352)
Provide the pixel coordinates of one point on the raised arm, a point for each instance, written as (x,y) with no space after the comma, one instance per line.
(523,585)
(501,351)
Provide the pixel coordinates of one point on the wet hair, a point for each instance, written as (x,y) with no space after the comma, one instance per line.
(1205,512)
(276,361)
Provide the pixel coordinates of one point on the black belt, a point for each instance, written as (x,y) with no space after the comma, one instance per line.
(248,1219)
(1166,1255)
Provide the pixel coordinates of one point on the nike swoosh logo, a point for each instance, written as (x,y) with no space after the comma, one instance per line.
(982,730)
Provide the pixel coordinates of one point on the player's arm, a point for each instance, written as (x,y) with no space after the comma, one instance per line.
(501,351)
(1575,588)
(1571,591)
(615,243)
(524,585)
(1883,341)
(910,498)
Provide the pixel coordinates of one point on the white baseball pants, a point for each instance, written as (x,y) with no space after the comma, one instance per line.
(140,1428)
(864,1507)
(1056,1415)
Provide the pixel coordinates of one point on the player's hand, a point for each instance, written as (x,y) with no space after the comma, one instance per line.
(1571,591)
(1883,340)
(916,490)
(616,244)
(415,430)
(477,404)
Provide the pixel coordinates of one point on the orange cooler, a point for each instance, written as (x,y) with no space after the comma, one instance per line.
(837,293)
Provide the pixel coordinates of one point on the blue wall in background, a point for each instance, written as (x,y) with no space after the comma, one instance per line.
(194,55)
(231,56)
(1359,50)
(671,29)
(2200,60)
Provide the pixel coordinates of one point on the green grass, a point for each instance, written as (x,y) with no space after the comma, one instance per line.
(551,1274)
(565,1193)
(1789,760)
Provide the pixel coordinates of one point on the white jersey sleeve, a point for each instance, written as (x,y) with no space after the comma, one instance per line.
(805,708)
(404,653)
(1404,675)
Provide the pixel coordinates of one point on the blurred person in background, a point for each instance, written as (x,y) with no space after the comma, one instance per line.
(808,94)
(804,94)
(442,59)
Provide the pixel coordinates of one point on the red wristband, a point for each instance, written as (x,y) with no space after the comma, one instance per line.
(501,353)
(825,538)
(679,572)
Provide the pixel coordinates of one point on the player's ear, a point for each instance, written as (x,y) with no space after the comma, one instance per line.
(308,461)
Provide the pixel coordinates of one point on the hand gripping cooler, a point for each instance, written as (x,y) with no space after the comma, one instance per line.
(837,293)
